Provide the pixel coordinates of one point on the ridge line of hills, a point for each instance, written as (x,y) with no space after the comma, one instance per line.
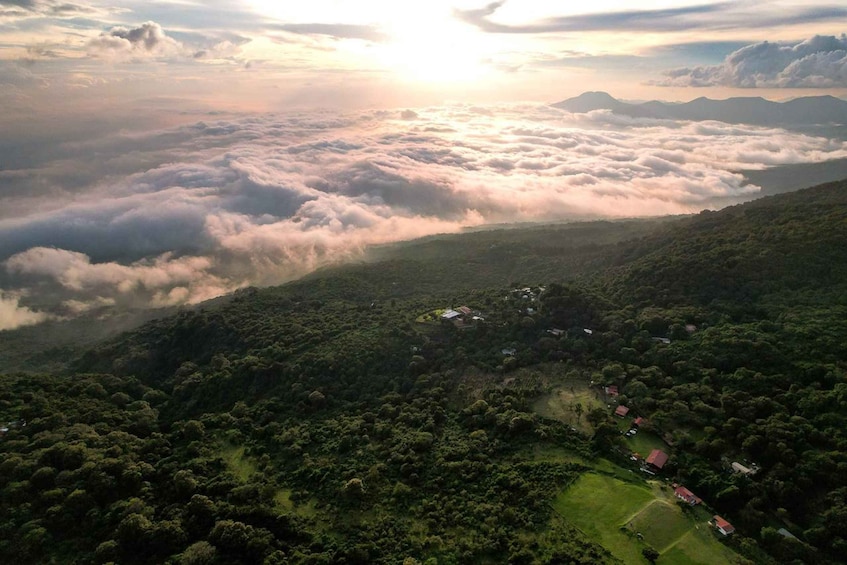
(805,111)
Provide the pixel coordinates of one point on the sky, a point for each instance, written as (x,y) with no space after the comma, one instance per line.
(161,153)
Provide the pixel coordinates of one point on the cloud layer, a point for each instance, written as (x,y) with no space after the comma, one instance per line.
(183,214)
(819,62)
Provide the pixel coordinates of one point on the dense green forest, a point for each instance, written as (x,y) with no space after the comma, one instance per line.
(338,419)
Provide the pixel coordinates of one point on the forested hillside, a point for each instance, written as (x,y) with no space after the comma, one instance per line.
(340,419)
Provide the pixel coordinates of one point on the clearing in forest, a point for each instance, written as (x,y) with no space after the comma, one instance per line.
(237,462)
(570,401)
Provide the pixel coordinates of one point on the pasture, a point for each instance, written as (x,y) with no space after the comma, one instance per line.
(626,517)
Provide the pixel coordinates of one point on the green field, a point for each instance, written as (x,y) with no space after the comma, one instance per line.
(613,512)
(660,524)
(698,547)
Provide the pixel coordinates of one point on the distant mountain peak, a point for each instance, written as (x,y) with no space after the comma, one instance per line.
(595,95)
(588,101)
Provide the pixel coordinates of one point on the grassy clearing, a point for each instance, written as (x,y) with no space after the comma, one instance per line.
(243,467)
(283,501)
(561,404)
(240,465)
(561,455)
(613,512)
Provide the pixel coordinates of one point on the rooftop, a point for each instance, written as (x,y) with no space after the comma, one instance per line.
(657,458)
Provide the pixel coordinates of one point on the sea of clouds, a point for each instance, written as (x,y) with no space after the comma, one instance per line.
(183,214)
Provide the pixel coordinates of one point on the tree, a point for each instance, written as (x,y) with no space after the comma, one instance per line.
(578,410)
(200,553)
(650,554)
(354,488)
(596,415)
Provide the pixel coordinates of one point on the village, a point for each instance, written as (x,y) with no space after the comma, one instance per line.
(641,442)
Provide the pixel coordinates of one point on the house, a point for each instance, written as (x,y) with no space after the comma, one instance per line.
(744,470)
(508,351)
(786,534)
(621,411)
(723,526)
(657,459)
(586,330)
(450,315)
(612,390)
(637,422)
(683,493)
(464,310)
(664,340)
(556,332)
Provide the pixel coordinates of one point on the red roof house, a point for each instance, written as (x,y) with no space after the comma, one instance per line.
(638,421)
(683,493)
(612,390)
(657,459)
(621,411)
(723,526)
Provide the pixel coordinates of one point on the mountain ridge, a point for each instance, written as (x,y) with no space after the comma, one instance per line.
(754,110)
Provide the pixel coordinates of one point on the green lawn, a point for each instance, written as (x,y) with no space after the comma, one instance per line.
(613,512)
(643,442)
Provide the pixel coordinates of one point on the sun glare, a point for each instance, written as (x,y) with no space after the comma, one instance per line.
(422,42)
(433,47)
(428,48)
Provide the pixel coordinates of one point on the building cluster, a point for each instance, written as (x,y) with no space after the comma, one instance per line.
(462,317)
(655,462)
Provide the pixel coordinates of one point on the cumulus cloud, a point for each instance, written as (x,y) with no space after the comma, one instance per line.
(819,62)
(14,315)
(146,40)
(187,213)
